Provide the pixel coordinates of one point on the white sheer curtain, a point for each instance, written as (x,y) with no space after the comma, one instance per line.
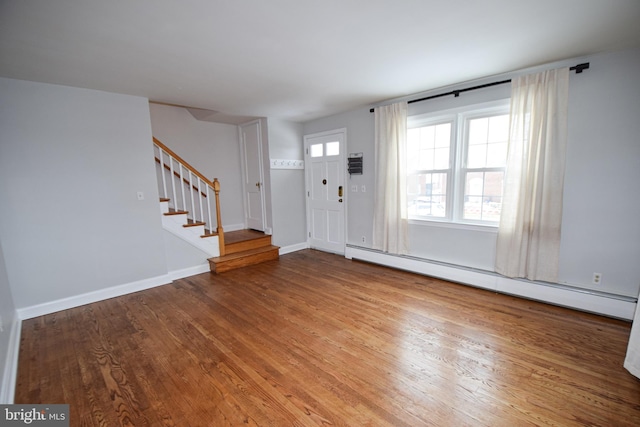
(529,233)
(390,200)
(632,361)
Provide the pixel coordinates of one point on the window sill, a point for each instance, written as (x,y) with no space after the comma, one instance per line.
(455,225)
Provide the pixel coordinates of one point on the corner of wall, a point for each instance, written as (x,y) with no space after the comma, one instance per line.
(10,370)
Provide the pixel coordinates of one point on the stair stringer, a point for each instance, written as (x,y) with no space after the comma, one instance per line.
(174,224)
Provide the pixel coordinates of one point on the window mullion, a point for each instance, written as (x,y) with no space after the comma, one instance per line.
(458,188)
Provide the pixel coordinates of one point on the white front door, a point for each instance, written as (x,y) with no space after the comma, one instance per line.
(253,177)
(324,164)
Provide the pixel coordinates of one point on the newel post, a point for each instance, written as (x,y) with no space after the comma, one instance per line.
(219,230)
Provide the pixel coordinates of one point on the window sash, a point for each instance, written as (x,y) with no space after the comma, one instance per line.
(427,205)
(481,205)
(430,206)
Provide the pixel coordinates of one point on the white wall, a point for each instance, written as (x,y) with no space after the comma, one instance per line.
(212,148)
(601,231)
(182,255)
(601,227)
(287,185)
(71,162)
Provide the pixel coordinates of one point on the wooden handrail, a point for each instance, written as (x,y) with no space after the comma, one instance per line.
(181,160)
(215,184)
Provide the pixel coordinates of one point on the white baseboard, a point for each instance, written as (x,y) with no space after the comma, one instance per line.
(112,292)
(233,227)
(618,306)
(91,297)
(293,248)
(10,371)
(190,271)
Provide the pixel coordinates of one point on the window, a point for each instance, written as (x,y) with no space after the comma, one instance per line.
(316,150)
(429,166)
(455,164)
(332,149)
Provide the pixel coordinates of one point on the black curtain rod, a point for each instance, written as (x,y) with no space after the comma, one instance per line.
(578,69)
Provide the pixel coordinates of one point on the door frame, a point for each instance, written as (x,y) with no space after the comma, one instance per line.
(343,165)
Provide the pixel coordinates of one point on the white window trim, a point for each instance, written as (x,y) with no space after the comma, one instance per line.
(487,228)
(455,196)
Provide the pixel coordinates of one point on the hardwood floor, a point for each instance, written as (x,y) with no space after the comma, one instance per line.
(315,339)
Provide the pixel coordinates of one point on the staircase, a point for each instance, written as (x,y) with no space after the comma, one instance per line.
(189,201)
(244,248)
(178,223)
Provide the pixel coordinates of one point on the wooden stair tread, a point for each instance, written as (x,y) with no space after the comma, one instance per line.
(209,233)
(242,235)
(175,212)
(192,223)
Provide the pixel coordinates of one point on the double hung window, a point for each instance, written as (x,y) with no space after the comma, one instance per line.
(456,164)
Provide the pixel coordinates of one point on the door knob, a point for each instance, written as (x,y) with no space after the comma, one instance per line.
(258,184)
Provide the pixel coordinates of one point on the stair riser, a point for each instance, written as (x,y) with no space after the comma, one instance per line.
(222,266)
(232,248)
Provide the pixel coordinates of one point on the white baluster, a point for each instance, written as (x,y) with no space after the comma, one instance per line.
(164,179)
(201,199)
(184,198)
(193,207)
(174,196)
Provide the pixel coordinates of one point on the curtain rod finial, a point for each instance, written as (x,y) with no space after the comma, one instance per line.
(580,68)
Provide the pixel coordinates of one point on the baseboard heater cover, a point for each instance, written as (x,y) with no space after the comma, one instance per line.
(607,304)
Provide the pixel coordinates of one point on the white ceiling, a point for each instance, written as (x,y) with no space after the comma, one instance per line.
(297,59)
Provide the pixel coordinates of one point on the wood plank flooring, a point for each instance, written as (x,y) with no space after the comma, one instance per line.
(318,340)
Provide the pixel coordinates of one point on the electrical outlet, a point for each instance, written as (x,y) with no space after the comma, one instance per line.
(597,278)
(364,239)
(354,188)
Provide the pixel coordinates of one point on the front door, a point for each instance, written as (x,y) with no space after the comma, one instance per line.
(324,164)
(253,181)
